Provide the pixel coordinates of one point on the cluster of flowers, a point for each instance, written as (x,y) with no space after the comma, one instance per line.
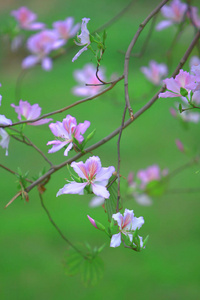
(139,185)
(175,14)
(186,86)
(45,41)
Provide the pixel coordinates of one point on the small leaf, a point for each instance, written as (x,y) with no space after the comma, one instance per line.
(183,92)
(180,108)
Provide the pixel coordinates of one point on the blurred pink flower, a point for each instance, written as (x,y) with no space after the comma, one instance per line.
(186,116)
(194,61)
(41,44)
(26,19)
(179,145)
(174,13)
(87,75)
(193,15)
(183,79)
(91,174)
(84,38)
(65,29)
(149,174)
(127,224)
(66,131)
(29,112)
(5,139)
(155,72)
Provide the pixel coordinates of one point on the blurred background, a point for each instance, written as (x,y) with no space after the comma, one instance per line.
(31,251)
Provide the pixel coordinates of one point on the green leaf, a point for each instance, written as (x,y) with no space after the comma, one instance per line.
(73,262)
(111,203)
(156,188)
(183,92)
(180,108)
(89,137)
(92,271)
(145,241)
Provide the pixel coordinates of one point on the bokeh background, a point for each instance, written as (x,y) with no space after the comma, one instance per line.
(31,251)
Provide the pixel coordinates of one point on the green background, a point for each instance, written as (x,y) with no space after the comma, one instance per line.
(31,251)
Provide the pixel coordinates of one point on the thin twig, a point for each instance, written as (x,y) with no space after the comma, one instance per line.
(69,106)
(14,173)
(119,158)
(128,53)
(115,18)
(58,229)
(145,44)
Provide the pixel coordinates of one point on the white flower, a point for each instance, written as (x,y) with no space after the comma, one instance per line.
(84,38)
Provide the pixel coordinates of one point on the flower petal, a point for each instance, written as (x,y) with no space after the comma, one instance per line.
(115,240)
(100,190)
(72,188)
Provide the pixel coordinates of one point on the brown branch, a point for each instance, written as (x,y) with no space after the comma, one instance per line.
(119,158)
(127,123)
(69,106)
(14,173)
(128,53)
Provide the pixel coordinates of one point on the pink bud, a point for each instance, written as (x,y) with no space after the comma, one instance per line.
(92,221)
(179,145)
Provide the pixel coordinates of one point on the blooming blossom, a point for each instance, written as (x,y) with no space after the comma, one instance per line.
(92,175)
(194,85)
(67,131)
(182,80)
(127,224)
(40,45)
(87,75)
(29,112)
(155,72)
(174,13)
(84,38)
(26,19)
(65,29)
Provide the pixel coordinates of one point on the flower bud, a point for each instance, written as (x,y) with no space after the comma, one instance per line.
(96,224)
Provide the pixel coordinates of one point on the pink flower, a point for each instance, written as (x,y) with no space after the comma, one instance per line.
(174,13)
(127,224)
(84,38)
(65,29)
(92,175)
(149,174)
(41,44)
(29,112)
(183,79)
(66,131)
(5,139)
(26,19)
(87,75)
(155,72)
(194,85)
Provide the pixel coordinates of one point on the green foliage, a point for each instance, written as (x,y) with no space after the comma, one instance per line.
(111,203)
(89,266)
